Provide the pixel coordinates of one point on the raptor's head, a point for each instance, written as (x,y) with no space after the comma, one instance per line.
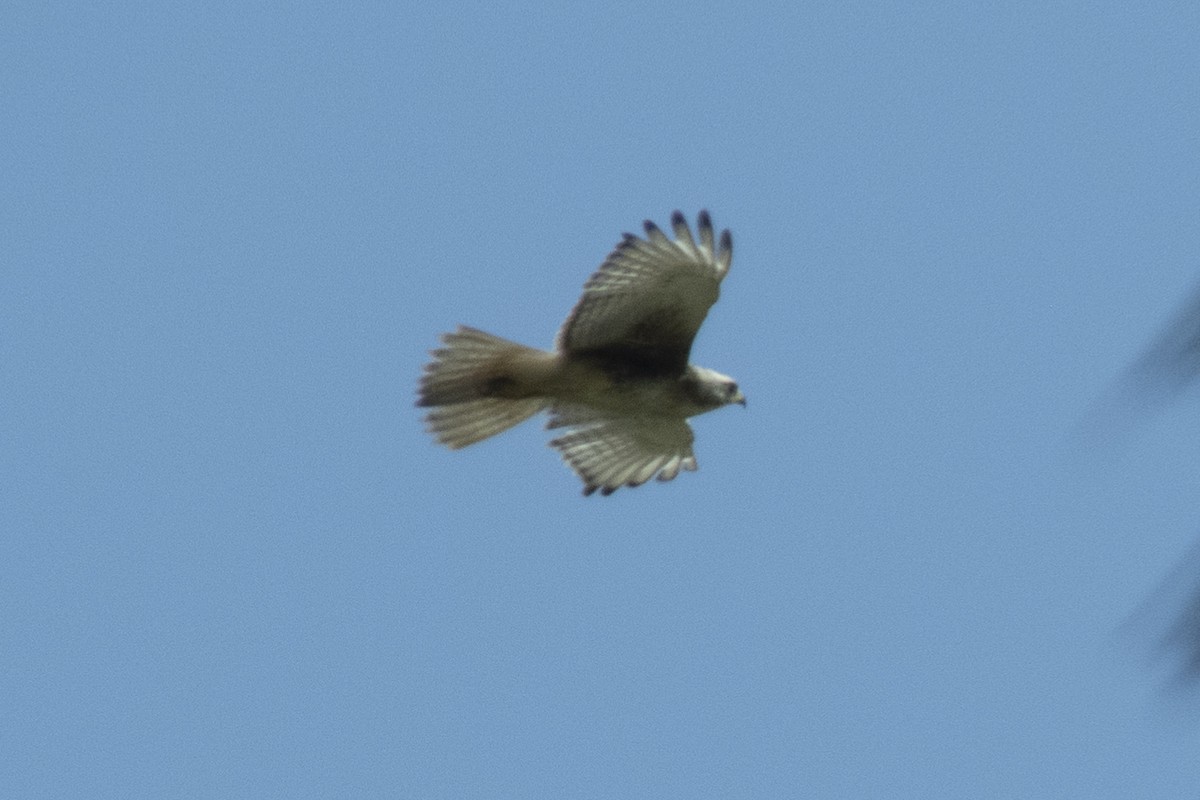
(710,389)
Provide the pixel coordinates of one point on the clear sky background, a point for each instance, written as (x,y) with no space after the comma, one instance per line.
(234,565)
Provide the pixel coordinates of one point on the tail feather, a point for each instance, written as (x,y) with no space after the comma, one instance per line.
(480,385)
(466,423)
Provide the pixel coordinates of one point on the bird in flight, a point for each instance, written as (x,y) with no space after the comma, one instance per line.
(618,380)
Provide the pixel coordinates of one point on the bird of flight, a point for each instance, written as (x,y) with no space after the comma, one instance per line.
(618,380)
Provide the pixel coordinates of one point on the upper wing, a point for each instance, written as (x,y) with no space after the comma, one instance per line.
(641,310)
(611,452)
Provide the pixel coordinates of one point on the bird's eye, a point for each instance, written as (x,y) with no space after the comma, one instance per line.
(732,389)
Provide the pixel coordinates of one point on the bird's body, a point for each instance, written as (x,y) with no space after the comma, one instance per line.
(618,378)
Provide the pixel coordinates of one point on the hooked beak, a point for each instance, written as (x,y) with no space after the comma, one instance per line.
(740,399)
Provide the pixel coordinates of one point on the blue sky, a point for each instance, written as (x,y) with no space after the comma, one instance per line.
(236,566)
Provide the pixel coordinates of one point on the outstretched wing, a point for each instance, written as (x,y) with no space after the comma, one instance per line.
(611,452)
(641,310)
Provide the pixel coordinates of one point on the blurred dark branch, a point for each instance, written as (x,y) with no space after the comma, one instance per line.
(1171,363)
(1168,624)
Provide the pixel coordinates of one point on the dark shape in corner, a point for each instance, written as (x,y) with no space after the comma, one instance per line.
(1163,372)
(1167,624)
(1172,361)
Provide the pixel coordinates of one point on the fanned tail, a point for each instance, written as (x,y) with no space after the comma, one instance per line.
(480,385)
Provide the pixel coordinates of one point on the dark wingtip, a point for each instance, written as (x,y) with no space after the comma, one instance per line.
(677,218)
(628,240)
(703,220)
(650,227)
(726,241)
(589,489)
